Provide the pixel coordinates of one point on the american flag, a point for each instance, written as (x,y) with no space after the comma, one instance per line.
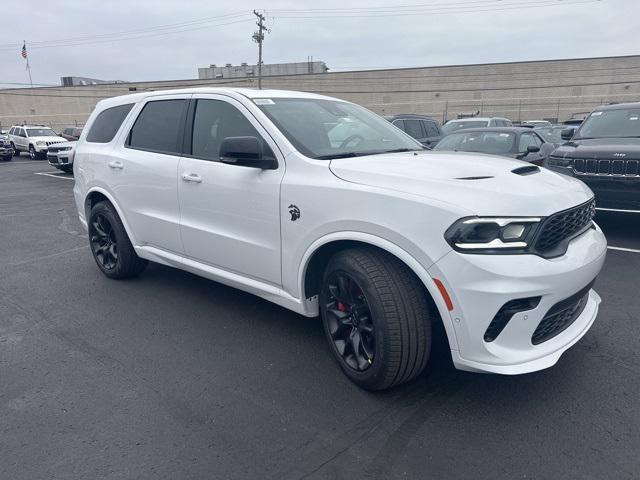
(24,50)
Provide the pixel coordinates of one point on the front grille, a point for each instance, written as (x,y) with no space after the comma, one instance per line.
(53,142)
(563,226)
(561,316)
(616,167)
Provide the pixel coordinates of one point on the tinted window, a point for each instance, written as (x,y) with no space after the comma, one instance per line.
(214,121)
(158,126)
(431,128)
(21,132)
(107,124)
(68,131)
(527,140)
(399,124)
(12,130)
(413,128)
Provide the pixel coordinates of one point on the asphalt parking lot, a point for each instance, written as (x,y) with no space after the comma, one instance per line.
(174,376)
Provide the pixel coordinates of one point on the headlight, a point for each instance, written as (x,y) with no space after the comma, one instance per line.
(41,144)
(559,162)
(64,149)
(492,234)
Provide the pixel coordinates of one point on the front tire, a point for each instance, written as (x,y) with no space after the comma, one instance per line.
(16,152)
(33,155)
(110,244)
(376,318)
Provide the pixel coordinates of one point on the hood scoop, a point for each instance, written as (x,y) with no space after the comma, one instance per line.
(527,170)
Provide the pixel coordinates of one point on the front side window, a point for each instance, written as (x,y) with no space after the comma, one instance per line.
(611,124)
(157,128)
(107,123)
(527,140)
(431,128)
(414,128)
(482,142)
(216,120)
(325,129)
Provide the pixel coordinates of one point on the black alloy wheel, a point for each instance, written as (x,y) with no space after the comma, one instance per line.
(103,242)
(350,321)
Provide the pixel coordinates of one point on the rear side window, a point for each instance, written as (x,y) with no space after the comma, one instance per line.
(157,128)
(107,123)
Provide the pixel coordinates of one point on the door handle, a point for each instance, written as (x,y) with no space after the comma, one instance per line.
(192,177)
(116,165)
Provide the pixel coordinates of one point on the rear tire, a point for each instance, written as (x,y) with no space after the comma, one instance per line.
(110,244)
(398,348)
(7,158)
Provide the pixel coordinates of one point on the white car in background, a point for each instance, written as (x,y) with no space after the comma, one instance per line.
(260,190)
(34,139)
(60,155)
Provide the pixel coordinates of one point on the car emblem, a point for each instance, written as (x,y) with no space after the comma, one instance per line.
(620,155)
(294,211)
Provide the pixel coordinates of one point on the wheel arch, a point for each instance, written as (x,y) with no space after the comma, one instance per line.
(319,253)
(97,194)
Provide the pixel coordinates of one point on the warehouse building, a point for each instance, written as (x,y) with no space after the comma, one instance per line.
(550,89)
(268,70)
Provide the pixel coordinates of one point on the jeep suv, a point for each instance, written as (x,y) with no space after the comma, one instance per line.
(34,139)
(6,150)
(424,129)
(605,154)
(323,207)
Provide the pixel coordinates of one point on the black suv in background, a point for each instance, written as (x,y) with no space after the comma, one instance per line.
(71,134)
(424,129)
(605,154)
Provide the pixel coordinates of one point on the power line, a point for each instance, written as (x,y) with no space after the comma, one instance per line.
(444,10)
(170,26)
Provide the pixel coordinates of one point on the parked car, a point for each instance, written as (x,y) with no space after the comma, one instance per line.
(60,156)
(378,236)
(537,123)
(474,122)
(605,154)
(421,127)
(6,150)
(71,134)
(516,142)
(34,139)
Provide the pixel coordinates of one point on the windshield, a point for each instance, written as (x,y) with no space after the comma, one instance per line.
(41,132)
(483,142)
(611,123)
(455,126)
(326,129)
(551,134)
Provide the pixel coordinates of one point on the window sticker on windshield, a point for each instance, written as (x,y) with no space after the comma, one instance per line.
(633,118)
(595,114)
(504,134)
(263,101)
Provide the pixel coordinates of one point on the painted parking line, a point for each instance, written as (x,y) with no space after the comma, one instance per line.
(54,175)
(20,162)
(623,249)
(616,210)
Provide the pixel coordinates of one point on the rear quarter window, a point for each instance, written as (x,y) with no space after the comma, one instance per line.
(107,123)
(158,126)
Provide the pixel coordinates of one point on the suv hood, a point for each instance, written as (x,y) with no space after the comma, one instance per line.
(601,148)
(479,184)
(51,138)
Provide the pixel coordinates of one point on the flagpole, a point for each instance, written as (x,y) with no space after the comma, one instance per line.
(28,66)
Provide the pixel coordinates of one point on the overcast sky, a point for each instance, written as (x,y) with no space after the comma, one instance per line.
(451,32)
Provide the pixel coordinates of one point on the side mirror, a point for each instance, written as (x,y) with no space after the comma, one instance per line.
(246,152)
(532,149)
(567,133)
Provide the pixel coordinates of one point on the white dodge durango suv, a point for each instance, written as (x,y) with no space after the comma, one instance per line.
(325,208)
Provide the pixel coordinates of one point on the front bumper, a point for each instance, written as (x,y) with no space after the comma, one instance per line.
(4,151)
(58,159)
(479,285)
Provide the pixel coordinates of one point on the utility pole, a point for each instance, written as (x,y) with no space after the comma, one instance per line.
(258,37)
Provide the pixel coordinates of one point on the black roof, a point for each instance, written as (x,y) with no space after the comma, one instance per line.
(408,115)
(618,106)
(494,129)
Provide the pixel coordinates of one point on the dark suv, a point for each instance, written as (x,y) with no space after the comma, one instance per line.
(71,134)
(605,154)
(424,129)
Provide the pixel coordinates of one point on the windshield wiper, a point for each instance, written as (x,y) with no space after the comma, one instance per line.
(339,155)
